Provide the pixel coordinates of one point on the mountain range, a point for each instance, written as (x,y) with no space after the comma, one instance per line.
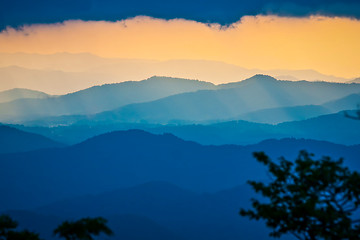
(20,93)
(161,100)
(229,101)
(49,80)
(73,72)
(98,98)
(334,128)
(162,158)
(330,127)
(128,158)
(154,210)
(232,113)
(148,186)
(14,140)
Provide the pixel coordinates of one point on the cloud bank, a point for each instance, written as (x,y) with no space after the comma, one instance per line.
(18,12)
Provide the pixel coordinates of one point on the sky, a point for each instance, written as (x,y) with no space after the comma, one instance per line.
(296,34)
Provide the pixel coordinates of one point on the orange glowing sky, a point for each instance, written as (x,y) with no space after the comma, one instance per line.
(328,45)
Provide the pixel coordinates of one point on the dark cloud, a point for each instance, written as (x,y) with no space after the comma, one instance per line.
(18,12)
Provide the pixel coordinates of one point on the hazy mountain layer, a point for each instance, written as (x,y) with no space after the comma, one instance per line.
(98,98)
(138,104)
(288,114)
(331,127)
(19,93)
(51,81)
(259,99)
(285,114)
(335,128)
(267,116)
(349,102)
(230,101)
(72,72)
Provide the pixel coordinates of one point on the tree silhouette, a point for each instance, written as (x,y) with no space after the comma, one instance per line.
(83,229)
(7,230)
(311,199)
(23,235)
(6,225)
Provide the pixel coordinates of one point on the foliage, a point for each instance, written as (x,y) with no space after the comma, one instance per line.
(311,199)
(6,225)
(7,230)
(83,229)
(23,235)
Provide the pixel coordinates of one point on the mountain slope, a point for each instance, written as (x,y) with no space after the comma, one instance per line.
(297,113)
(225,101)
(184,212)
(333,127)
(14,140)
(347,103)
(98,98)
(285,114)
(330,127)
(122,159)
(229,101)
(18,93)
(161,111)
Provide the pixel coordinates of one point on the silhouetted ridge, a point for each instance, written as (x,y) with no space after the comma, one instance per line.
(261,78)
(286,142)
(131,137)
(164,79)
(155,187)
(256,79)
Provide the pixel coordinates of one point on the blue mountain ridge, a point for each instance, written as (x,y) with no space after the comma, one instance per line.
(14,140)
(186,214)
(127,158)
(336,128)
(161,100)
